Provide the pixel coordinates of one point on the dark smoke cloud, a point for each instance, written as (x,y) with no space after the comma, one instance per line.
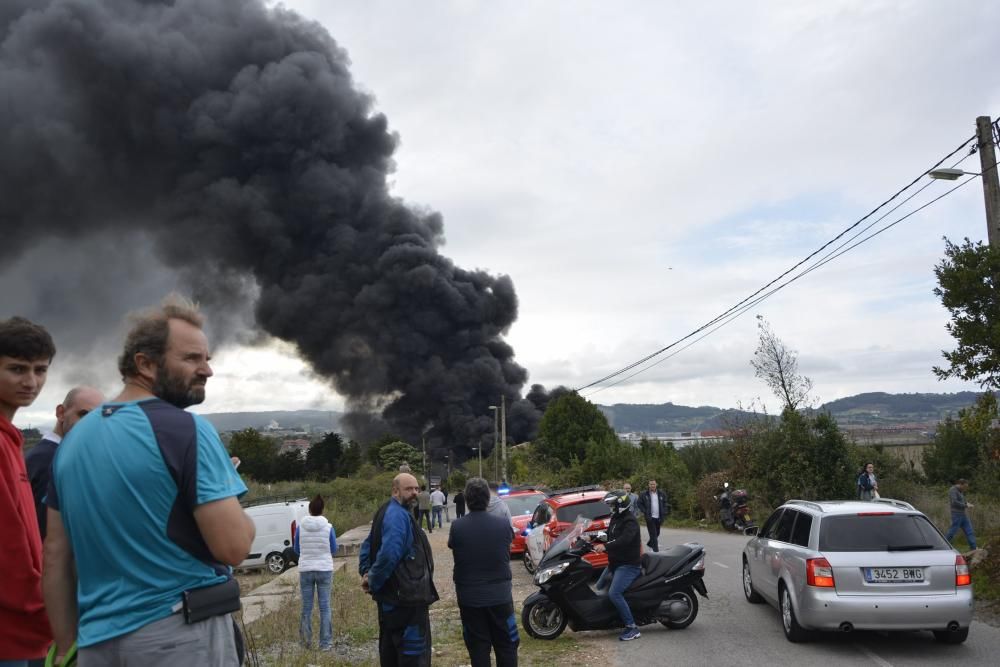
(221,145)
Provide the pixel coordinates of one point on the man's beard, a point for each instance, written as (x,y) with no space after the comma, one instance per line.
(177,391)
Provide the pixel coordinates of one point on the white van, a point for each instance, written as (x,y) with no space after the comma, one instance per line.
(276,523)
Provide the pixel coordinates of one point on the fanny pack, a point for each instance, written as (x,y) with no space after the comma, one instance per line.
(202,603)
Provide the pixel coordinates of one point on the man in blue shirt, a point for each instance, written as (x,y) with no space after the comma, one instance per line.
(397,569)
(143,509)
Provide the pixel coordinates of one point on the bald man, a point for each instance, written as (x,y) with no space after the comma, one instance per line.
(78,402)
(397,570)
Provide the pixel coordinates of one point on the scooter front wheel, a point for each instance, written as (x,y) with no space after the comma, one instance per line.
(674,615)
(543,619)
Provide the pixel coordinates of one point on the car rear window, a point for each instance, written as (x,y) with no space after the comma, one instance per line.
(879,532)
(595,509)
(520,505)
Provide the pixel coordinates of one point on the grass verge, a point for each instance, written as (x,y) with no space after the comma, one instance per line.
(273,640)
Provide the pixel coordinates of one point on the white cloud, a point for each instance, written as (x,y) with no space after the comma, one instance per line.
(585,150)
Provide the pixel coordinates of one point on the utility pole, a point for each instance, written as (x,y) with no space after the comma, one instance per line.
(423,444)
(496,417)
(503,434)
(991,184)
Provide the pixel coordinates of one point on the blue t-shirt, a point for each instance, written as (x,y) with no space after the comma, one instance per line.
(126,480)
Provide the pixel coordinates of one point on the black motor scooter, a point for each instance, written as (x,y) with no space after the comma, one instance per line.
(664,592)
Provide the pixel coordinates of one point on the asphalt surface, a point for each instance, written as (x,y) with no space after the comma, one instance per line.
(729,630)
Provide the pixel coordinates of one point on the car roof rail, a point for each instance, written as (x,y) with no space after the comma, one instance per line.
(902,504)
(806,503)
(576,489)
(271,500)
(541,488)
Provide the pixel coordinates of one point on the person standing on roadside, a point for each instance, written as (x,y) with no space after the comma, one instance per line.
(459,504)
(498,507)
(26,351)
(144,517)
(437,507)
(315,543)
(867,483)
(959,519)
(481,545)
(78,402)
(633,500)
(424,508)
(397,570)
(653,505)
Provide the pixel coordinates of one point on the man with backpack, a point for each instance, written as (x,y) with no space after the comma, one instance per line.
(397,570)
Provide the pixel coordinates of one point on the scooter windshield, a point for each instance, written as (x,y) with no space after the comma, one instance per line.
(566,540)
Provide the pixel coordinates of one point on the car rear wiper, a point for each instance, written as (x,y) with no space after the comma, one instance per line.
(910,547)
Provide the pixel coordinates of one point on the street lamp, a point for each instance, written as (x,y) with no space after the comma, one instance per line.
(496,421)
(479,450)
(950,174)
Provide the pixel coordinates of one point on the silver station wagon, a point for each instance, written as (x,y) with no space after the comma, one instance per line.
(851,565)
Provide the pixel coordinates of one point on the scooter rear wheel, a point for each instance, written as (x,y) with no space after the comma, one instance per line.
(543,619)
(686,595)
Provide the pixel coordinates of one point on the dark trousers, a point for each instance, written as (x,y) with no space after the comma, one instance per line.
(653,526)
(404,638)
(485,628)
(459,511)
(425,515)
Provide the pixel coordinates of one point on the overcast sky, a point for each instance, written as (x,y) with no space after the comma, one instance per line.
(637,169)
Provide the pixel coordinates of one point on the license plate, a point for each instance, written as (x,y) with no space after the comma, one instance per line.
(893,575)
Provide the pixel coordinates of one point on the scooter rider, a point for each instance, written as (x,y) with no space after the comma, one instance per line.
(623,549)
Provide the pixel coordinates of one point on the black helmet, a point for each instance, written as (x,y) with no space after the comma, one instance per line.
(617,500)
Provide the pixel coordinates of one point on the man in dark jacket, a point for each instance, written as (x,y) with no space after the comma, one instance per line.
(959,519)
(78,402)
(654,506)
(624,555)
(397,568)
(481,545)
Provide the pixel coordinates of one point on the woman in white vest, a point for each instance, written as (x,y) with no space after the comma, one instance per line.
(315,543)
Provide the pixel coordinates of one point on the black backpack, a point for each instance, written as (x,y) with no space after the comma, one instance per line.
(412,582)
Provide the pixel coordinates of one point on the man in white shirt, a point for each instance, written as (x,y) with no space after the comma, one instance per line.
(437,504)
(653,505)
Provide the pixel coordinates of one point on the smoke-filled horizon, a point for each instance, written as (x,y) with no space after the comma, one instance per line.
(228,141)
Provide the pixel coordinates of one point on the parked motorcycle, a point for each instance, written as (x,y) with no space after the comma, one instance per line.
(664,592)
(734,509)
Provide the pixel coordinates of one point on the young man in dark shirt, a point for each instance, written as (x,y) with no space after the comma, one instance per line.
(481,545)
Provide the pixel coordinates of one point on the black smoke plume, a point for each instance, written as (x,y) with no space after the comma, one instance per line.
(226,139)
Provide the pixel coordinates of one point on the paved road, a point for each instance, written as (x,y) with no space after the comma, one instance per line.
(730,631)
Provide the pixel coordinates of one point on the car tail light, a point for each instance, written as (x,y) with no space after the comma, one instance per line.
(819,573)
(962,576)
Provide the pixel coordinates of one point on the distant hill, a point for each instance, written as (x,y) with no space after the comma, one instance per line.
(876,408)
(323,420)
(666,417)
(880,406)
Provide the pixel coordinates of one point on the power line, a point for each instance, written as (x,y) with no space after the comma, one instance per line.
(748,306)
(725,314)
